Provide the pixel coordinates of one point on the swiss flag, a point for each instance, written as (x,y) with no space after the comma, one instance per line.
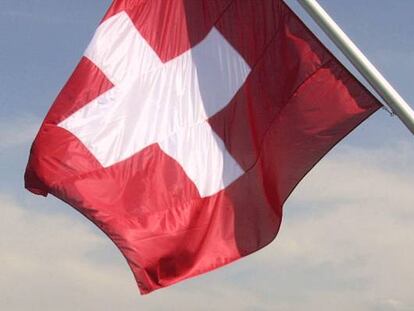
(187,124)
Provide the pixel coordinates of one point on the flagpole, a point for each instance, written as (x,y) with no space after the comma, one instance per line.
(361,63)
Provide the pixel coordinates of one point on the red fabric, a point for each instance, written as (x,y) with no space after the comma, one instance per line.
(296,104)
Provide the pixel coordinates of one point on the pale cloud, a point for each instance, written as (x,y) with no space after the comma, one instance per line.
(347,242)
(16,131)
(50,261)
(44,260)
(349,229)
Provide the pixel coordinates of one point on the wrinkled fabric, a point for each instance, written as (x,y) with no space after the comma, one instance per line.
(186,126)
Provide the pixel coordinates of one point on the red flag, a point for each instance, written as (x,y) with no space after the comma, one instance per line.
(187,124)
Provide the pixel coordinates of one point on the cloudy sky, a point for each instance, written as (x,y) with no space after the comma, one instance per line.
(347,239)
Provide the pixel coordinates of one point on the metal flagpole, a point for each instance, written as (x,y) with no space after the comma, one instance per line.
(358,59)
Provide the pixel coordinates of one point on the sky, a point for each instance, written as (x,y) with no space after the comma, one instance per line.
(347,237)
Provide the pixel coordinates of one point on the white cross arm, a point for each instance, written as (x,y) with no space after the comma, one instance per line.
(161,103)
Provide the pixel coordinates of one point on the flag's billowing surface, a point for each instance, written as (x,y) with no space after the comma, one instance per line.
(187,124)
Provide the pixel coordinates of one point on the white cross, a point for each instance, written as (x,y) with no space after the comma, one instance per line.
(165,103)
